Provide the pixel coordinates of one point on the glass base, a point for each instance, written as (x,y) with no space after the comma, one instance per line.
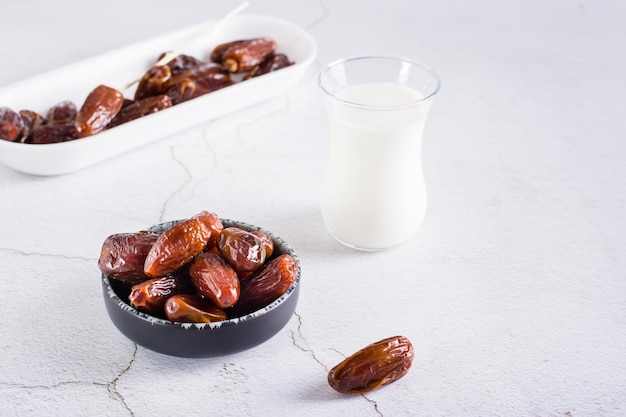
(370,249)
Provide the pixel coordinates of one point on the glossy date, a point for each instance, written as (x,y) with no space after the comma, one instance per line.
(150,296)
(215,279)
(372,367)
(272,63)
(267,284)
(244,251)
(100,107)
(52,134)
(62,113)
(123,255)
(176,247)
(141,108)
(243,55)
(190,308)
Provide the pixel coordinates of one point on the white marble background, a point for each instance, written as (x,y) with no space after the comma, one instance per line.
(513,292)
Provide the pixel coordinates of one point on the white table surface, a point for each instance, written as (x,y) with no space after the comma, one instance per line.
(513,292)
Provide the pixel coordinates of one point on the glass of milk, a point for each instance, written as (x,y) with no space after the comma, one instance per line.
(374,196)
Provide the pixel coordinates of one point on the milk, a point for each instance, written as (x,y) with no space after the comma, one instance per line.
(374,196)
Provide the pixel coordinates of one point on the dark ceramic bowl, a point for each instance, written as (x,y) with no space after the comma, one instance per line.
(203,340)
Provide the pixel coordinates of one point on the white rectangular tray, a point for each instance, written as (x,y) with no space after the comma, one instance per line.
(119,67)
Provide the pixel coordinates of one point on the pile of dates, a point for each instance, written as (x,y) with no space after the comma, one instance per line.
(182,78)
(197,270)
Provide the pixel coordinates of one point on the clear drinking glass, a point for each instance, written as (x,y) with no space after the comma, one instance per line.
(374,196)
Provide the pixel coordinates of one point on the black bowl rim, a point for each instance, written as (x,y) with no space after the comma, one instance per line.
(278,243)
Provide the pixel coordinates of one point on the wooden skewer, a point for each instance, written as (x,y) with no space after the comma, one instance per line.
(173,54)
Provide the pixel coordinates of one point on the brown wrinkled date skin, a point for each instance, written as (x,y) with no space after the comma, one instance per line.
(181,91)
(150,296)
(198,81)
(189,308)
(123,255)
(244,251)
(52,134)
(372,367)
(243,55)
(181,63)
(217,55)
(141,108)
(11,125)
(99,108)
(271,63)
(32,120)
(215,279)
(209,85)
(268,243)
(205,70)
(267,284)
(62,113)
(213,222)
(154,82)
(177,246)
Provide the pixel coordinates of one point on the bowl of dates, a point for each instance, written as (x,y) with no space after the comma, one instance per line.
(199,287)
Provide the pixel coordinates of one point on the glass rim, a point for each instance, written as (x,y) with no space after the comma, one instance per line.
(412,62)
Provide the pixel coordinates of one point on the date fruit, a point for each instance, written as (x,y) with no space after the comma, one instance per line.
(208,85)
(177,246)
(267,284)
(181,63)
(62,113)
(11,125)
(32,120)
(181,91)
(154,82)
(141,108)
(213,222)
(209,70)
(52,134)
(267,241)
(372,367)
(271,63)
(244,251)
(150,296)
(189,308)
(123,255)
(99,108)
(215,279)
(217,55)
(244,55)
